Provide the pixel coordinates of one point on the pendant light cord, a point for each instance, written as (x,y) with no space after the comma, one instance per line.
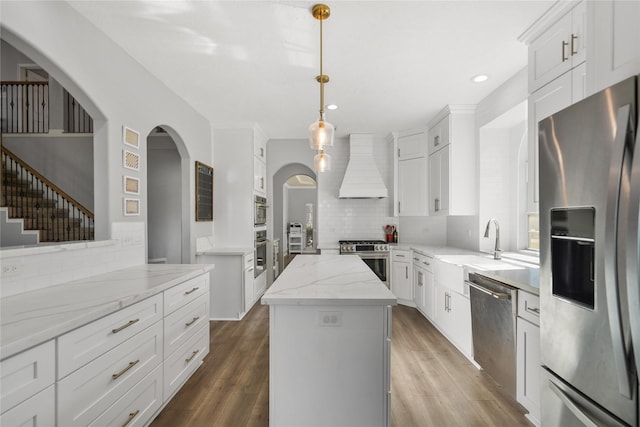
(321,77)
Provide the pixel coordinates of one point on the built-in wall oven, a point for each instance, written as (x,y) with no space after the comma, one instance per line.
(260,211)
(260,258)
(375,253)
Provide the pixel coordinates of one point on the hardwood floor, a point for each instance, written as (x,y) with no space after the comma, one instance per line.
(432,384)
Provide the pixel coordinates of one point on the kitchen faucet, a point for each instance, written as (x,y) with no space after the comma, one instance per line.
(497,251)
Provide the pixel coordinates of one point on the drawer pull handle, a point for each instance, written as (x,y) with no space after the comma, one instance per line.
(189,359)
(126,325)
(425,263)
(534,310)
(131,365)
(193,321)
(131,417)
(191,291)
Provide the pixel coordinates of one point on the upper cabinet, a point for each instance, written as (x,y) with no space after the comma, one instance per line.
(260,147)
(259,163)
(411,178)
(560,48)
(614,42)
(452,165)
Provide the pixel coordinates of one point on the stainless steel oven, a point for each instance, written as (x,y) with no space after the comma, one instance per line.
(260,258)
(375,253)
(260,211)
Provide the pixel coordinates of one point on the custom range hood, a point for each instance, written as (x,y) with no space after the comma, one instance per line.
(362,180)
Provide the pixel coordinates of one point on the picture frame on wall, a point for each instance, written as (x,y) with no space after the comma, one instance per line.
(131,206)
(130,185)
(131,160)
(204,192)
(130,137)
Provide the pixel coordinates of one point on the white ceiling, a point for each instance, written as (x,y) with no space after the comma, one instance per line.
(393,64)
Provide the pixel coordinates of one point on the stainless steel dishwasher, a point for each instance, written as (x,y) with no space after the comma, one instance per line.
(493,322)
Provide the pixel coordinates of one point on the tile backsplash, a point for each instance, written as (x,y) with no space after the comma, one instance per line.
(30,268)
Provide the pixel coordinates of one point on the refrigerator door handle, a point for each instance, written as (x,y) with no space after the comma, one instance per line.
(633,253)
(611,275)
(572,406)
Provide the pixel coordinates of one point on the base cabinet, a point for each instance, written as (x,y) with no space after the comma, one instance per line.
(528,369)
(401,273)
(37,411)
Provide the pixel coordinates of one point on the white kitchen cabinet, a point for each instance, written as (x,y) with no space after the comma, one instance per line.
(260,147)
(259,176)
(528,369)
(559,48)
(401,274)
(411,175)
(239,176)
(26,374)
(37,411)
(567,89)
(614,40)
(423,283)
(231,282)
(452,162)
(453,318)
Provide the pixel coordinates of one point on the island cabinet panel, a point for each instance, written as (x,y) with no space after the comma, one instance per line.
(179,366)
(329,365)
(38,410)
(82,345)
(181,325)
(26,374)
(89,391)
(184,293)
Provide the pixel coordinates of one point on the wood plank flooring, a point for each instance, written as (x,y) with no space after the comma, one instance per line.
(432,384)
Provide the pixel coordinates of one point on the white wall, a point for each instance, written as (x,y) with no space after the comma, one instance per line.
(423,230)
(116,91)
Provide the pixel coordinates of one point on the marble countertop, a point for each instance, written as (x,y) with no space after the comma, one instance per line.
(32,318)
(328,280)
(225,251)
(520,275)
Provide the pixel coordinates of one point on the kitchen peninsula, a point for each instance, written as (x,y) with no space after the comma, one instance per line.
(330,343)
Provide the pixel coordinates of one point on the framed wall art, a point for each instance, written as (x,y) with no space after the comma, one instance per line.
(131,207)
(131,160)
(204,192)
(130,137)
(131,185)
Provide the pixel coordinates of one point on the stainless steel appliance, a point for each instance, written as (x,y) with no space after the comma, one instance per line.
(589,288)
(375,253)
(494,308)
(260,258)
(260,210)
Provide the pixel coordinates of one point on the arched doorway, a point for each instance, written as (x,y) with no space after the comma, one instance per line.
(167,218)
(280,218)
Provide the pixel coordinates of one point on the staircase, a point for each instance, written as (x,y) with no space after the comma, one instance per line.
(30,197)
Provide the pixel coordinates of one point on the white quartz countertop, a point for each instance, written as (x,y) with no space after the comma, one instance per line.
(526,279)
(225,251)
(328,280)
(32,318)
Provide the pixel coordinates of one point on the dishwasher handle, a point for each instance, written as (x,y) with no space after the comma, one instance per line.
(496,295)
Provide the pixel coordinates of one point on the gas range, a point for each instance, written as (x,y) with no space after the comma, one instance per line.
(362,246)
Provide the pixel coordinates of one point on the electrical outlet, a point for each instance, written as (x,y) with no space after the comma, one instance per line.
(9,269)
(330,318)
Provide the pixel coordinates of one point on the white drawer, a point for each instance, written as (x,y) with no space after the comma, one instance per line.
(180,325)
(38,411)
(422,261)
(137,406)
(25,374)
(248,260)
(529,307)
(84,344)
(184,293)
(89,391)
(401,255)
(183,362)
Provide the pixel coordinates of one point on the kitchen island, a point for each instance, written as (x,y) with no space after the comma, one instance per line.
(330,344)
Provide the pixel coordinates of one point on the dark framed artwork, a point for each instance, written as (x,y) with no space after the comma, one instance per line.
(204,192)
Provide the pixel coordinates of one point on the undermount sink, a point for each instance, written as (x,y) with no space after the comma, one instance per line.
(480,262)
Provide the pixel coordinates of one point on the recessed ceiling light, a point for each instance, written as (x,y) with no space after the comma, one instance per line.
(479,78)
(332,107)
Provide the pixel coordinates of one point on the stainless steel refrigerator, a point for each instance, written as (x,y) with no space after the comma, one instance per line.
(589,159)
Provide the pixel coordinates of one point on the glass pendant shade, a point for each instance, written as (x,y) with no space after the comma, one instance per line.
(322,162)
(320,134)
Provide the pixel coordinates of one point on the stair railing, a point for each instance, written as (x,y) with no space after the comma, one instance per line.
(42,204)
(25,107)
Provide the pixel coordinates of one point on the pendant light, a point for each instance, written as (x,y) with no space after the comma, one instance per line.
(321,131)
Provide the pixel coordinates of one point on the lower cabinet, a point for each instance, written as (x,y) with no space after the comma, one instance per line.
(129,364)
(528,371)
(401,284)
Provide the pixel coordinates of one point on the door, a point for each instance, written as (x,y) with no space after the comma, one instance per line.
(401,281)
(584,330)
